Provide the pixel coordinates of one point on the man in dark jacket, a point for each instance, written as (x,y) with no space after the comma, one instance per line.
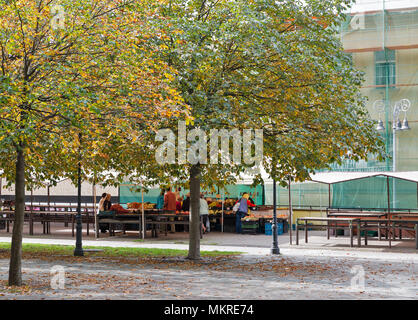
(186,203)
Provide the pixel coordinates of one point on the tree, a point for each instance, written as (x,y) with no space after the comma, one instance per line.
(273,65)
(71,68)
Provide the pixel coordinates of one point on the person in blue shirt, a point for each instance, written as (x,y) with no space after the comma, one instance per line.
(244,203)
(160,201)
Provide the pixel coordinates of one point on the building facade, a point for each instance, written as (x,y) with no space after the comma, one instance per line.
(382,38)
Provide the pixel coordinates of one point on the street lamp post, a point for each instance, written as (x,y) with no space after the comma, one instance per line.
(402,105)
(275,248)
(78,251)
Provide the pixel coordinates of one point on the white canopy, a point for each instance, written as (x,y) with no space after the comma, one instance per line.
(335,177)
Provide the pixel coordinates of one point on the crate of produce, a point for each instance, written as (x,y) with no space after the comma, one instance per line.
(269,228)
(249,226)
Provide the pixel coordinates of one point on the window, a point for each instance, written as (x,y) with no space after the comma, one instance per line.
(385,67)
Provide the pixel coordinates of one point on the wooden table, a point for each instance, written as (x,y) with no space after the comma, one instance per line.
(350,222)
(400,224)
(46,217)
(153,219)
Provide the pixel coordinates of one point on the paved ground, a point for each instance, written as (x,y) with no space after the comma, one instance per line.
(321,269)
(246,277)
(312,271)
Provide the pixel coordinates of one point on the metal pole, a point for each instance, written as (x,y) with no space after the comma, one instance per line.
(31,214)
(389,230)
(394,165)
(329,195)
(78,251)
(143,214)
(96,224)
(222,221)
(48,191)
(290,213)
(275,248)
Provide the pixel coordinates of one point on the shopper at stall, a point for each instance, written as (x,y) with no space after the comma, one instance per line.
(170,201)
(204,212)
(186,203)
(160,200)
(170,206)
(177,192)
(244,203)
(179,203)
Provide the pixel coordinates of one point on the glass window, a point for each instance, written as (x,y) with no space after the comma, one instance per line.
(385,63)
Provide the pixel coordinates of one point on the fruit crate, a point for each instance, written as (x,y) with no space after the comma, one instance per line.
(250,226)
(269,228)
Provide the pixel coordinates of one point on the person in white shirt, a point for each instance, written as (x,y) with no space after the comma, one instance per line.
(204,212)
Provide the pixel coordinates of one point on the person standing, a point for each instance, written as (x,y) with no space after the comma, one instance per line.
(177,192)
(244,203)
(179,203)
(170,206)
(160,201)
(185,207)
(204,212)
(186,203)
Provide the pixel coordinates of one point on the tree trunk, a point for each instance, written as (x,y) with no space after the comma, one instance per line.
(194,225)
(15,268)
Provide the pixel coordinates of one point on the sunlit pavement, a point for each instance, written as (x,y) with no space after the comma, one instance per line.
(320,269)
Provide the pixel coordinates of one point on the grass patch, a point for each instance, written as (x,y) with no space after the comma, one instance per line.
(65,250)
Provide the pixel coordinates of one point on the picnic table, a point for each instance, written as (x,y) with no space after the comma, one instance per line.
(47,216)
(330,221)
(396,223)
(377,220)
(156,220)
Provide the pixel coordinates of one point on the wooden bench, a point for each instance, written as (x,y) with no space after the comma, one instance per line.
(349,221)
(389,225)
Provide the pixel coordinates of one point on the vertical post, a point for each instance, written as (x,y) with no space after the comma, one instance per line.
(96,224)
(222,219)
(1,200)
(31,214)
(49,204)
(389,230)
(290,213)
(329,195)
(143,213)
(78,251)
(275,248)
